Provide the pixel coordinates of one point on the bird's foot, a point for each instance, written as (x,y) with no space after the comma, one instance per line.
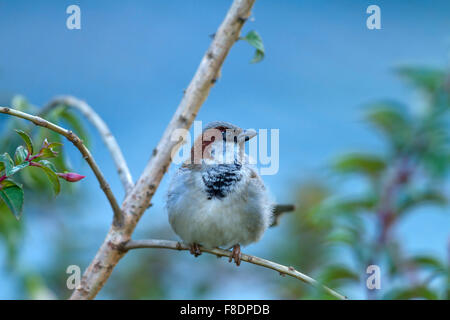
(194,249)
(236,255)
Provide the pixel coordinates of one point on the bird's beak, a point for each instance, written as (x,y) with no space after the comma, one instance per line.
(246,135)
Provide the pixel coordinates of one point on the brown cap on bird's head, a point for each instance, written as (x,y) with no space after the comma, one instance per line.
(217,131)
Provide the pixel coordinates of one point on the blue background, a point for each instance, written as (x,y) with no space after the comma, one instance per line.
(131,61)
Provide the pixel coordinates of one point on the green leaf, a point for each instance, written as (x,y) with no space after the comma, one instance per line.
(20,103)
(21,166)
(47,154)
(61,161)
(338,273)
(52,176)
(27,140)
(20,155)
(424,78)
(47,149)
(360,163)
(389,118)
(12,194)
(428,262)
(345,236)
(411,293)
(48,164)
(259,55)
(436,162)
(255,40)
(6,163)
(54,145)
(365,202)
(429,197)
(76,125)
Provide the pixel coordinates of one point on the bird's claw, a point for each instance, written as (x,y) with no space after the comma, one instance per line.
(194,249)
(236,255)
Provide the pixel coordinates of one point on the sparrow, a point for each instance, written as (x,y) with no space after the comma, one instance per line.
(217,198)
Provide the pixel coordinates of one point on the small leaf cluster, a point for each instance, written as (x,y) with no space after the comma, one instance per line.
(11,192)
(33,181)
(377,190)
(255,40)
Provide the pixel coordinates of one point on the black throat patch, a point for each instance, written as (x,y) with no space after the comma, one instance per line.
(219,179)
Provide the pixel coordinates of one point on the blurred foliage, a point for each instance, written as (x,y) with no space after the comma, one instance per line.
(34,181)
(26,158)
(139,279)
(332,234)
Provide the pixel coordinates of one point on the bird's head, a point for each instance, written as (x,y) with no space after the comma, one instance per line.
(221,141)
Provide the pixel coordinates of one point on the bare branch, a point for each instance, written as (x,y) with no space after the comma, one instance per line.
(107,137)
(78,143)
(174,245)
(138,200)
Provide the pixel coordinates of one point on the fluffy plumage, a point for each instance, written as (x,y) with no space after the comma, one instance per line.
(219,200)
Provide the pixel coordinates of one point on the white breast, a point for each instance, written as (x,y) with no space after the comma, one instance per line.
(239,218)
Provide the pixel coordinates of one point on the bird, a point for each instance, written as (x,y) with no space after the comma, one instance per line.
(217,199)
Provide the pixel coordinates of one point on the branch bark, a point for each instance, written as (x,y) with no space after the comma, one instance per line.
(108,139)
(174,245)
(137,201)
(78,143)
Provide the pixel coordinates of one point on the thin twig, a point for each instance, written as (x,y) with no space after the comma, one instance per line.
(78,143)
(174,245)
(108,139)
